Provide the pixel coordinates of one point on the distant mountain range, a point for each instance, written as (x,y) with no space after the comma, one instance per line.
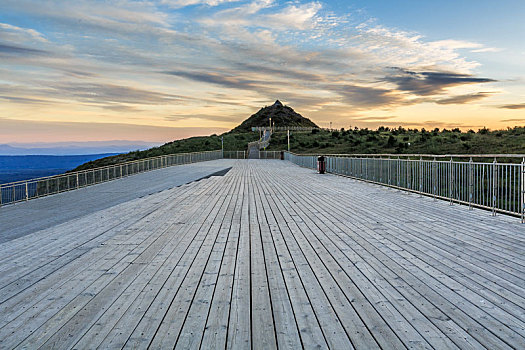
(74,148)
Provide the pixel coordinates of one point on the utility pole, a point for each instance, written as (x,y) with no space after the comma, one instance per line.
(330,126)
(222,145)
(288,139)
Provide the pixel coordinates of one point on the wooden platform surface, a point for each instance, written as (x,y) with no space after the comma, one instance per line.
(268,256)
(23,218)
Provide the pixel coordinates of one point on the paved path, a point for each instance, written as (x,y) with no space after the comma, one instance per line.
(27,217)
(268,256)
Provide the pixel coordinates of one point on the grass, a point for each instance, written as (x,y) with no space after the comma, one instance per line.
(381,140)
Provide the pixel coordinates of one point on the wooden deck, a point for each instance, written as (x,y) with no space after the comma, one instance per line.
(268,256)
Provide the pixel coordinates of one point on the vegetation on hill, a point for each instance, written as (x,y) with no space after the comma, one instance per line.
(404,141)
(280,116)
(321,141)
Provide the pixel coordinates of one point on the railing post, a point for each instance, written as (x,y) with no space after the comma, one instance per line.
(470,183)
(27,193)
(77,181)
(450,181)
(398,172)
(494,184)
(409,174)
(434,177)
(522,196)
(0,195)
(380,169)
(421,176)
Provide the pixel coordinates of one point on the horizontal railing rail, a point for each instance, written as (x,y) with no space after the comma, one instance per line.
(270,154)
(34,188)
(498,187)
(234,155)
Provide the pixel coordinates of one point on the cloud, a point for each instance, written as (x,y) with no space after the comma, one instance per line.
(365,97)
(513,120)
(514,106)
(216,78)
(111,93)
(15,33)
(25,100)
(430,83)
(184,3)
(462,99)
(204,117)
(297,17)
(17,50)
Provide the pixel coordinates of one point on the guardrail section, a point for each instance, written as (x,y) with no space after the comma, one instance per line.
(499,187)
(30,189)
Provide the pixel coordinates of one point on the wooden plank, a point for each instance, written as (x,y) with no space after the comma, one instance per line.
(195,322)
(239,323)
(286,327)
(263,327)
(216,329)
(168,330)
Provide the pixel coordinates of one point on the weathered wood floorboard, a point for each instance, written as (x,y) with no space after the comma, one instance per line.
(269,256)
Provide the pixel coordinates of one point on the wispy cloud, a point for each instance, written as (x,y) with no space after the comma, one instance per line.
(430,83)
(461,99)
(17,50)
(514,106)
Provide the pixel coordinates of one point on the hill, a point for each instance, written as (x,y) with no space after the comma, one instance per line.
(356,140)
(234,140)
(280,116)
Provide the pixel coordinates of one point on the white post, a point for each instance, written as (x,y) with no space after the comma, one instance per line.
(434,177)
(494,184)
(522,196)
(27,193)
(288,139)
(420,176)
(470,183)
(450,182)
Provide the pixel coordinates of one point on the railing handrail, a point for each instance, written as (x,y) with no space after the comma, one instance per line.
(408,155)
(98,168)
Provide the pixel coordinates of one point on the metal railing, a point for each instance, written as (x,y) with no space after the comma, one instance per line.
(270,154)
(263,142)
(30,189)
(498,187)
(234,155)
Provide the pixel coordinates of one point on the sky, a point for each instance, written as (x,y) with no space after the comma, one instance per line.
(159,70)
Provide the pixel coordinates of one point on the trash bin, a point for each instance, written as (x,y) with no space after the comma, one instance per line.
(321,165)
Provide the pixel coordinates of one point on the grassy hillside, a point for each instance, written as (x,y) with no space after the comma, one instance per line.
(381,140)
(401,140)
(232,142)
